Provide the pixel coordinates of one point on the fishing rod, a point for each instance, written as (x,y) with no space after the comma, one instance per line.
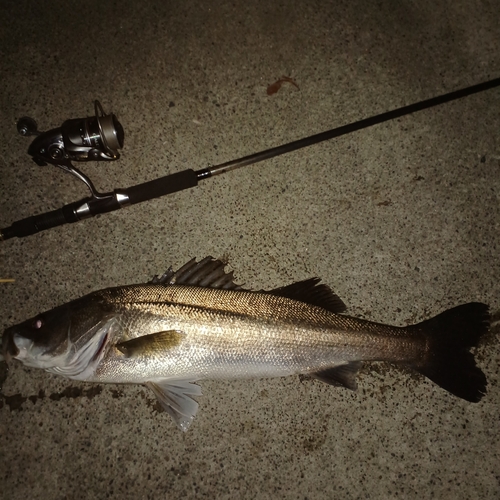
(99,137)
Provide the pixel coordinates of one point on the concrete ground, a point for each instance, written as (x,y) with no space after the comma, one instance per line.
(402,220)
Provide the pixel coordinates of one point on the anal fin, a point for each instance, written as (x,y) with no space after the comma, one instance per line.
(175,398)
(340,375)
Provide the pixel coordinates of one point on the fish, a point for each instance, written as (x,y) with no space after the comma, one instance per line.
(196,324)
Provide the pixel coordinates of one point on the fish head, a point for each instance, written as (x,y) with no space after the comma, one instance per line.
(67,340)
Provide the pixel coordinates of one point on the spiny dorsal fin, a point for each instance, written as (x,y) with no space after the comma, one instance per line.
(311,291)
(208,273)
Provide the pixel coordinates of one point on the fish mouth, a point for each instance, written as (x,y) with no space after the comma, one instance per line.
(9,347)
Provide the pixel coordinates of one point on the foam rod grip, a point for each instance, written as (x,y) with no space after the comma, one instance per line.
(162,186)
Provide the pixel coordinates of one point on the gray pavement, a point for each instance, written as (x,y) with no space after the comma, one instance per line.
(402,220)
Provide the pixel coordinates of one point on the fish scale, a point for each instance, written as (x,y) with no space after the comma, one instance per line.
(227,334)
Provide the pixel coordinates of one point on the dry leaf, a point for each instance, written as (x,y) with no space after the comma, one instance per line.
(273,88)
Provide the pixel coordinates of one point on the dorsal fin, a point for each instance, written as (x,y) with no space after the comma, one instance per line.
(311,291)
(208,273)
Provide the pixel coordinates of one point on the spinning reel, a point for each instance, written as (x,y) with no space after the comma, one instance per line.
(95,138)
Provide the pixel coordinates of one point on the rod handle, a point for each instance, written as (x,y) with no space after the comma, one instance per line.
(37,223)
(162,186)
(89,207)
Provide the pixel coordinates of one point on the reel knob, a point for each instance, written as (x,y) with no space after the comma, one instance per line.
(26,126)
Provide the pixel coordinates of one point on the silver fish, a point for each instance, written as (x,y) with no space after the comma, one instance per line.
(196,324)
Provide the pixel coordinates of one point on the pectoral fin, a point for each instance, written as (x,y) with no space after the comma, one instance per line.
(175,398)
(150,344)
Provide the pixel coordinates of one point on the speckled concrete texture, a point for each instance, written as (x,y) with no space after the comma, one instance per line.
(402,220)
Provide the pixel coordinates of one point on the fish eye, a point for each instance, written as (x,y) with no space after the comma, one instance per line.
(37,323)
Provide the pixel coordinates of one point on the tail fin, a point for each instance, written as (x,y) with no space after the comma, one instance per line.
(447,360)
